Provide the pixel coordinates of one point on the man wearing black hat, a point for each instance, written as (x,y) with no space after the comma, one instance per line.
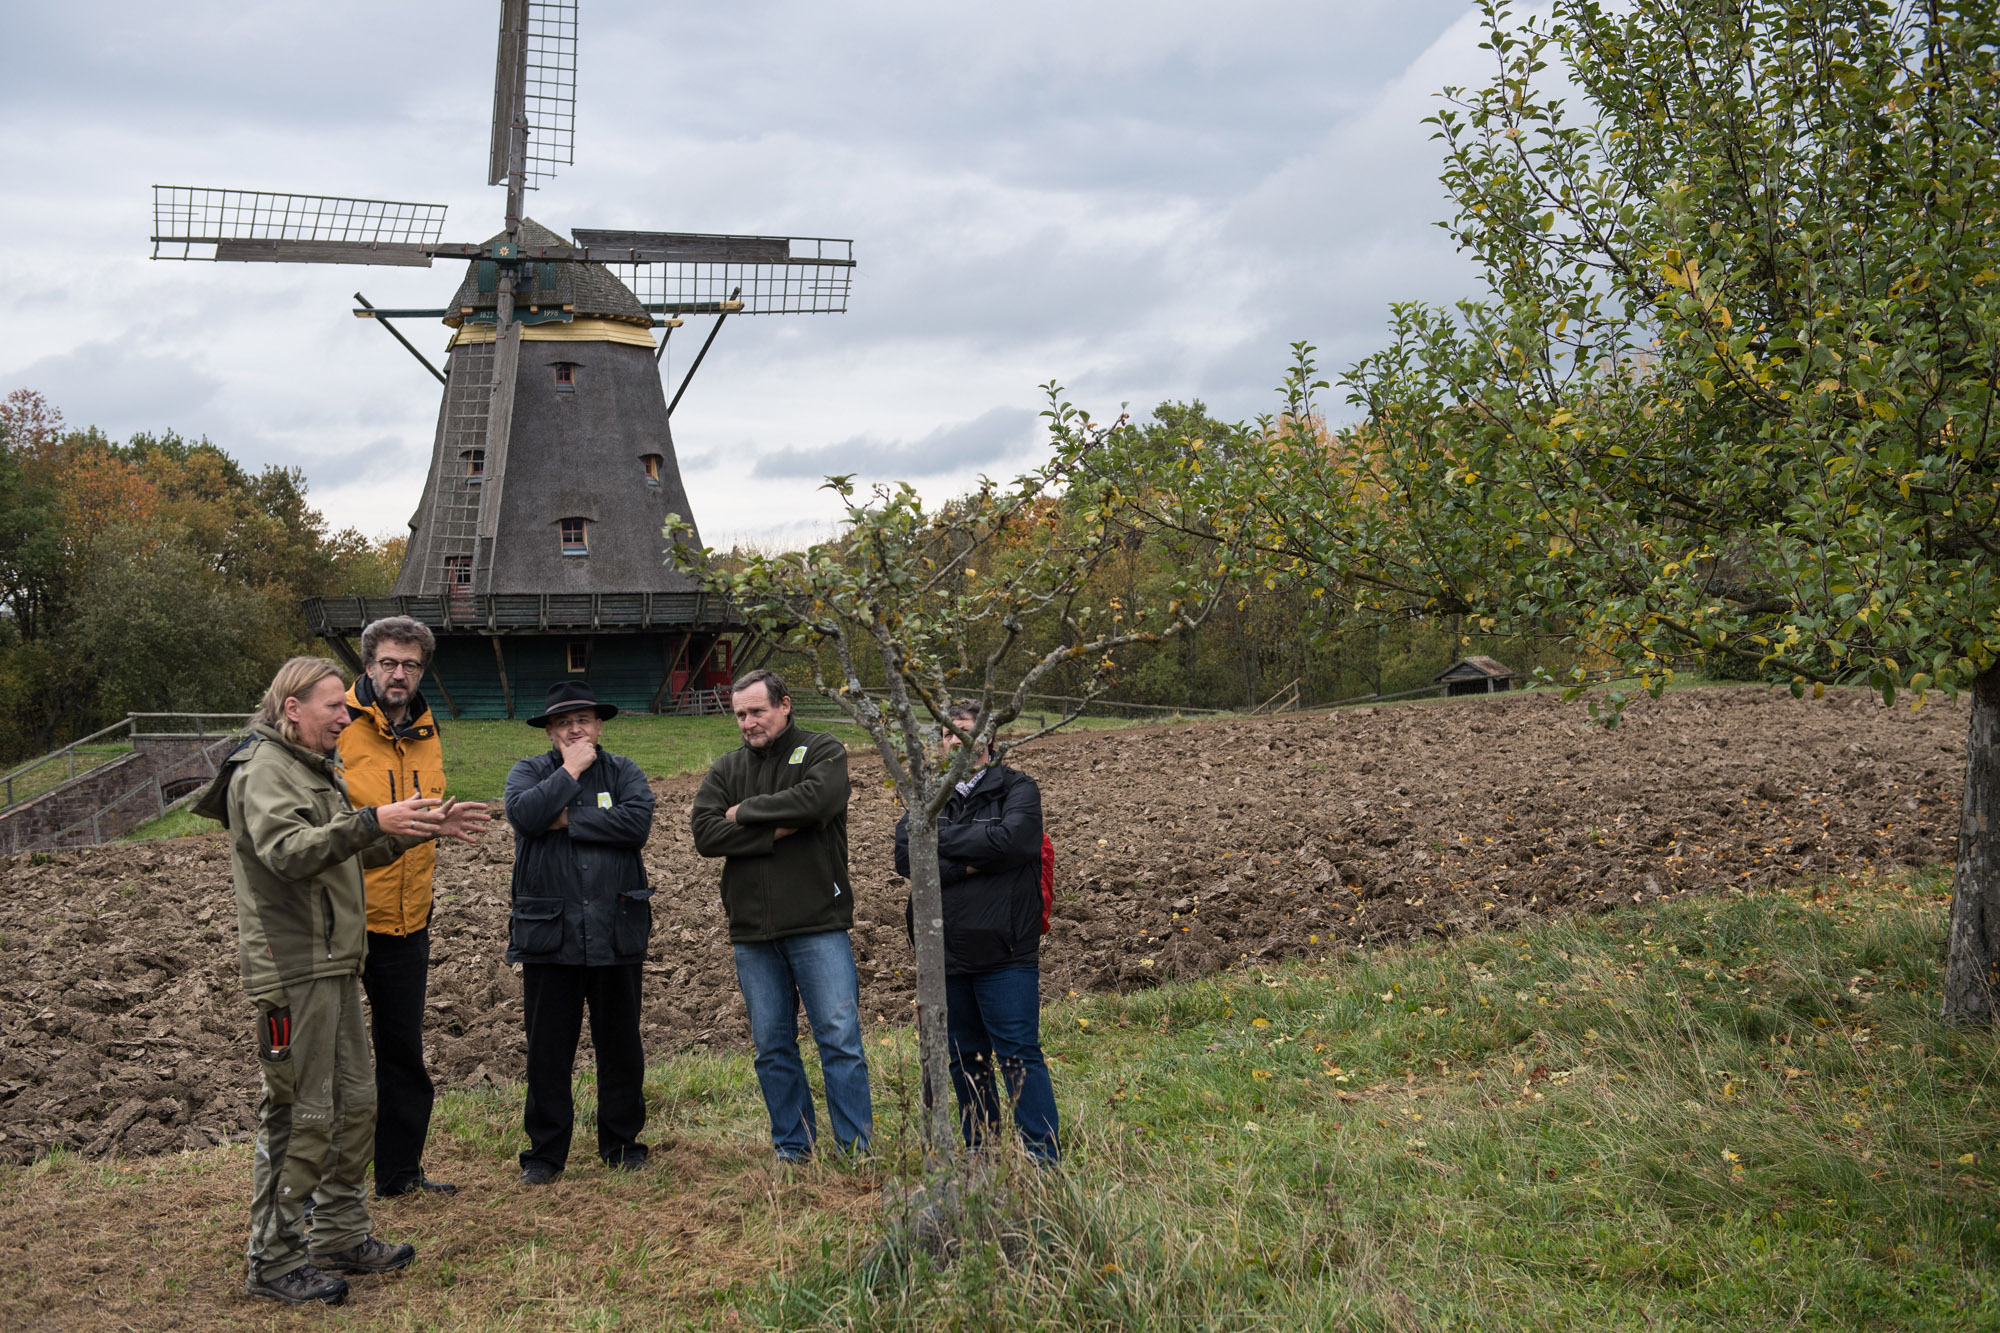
(579,928)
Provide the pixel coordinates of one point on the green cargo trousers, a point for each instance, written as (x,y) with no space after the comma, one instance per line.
(316,1129)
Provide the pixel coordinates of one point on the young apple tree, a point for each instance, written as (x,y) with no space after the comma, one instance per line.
(913,607)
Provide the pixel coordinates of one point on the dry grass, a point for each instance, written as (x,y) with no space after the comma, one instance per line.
(157,1243)
(1725,1111)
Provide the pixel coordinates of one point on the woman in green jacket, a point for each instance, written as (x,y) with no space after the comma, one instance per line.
(297,848)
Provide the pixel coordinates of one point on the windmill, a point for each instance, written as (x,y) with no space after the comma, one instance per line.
(536,550)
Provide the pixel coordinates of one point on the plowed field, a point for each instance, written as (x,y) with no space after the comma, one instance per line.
(1181,850)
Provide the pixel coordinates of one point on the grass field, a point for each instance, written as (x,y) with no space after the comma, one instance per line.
(1734,1112)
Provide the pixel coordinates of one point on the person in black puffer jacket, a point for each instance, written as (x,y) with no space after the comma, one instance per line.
(990,863)
(579,928)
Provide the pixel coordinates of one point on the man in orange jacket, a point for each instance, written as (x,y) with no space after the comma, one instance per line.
(391,751)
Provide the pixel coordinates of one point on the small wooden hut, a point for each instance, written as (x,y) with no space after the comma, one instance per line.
(1475,675)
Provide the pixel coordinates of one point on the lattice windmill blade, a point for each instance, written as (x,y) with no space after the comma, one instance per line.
(193,222)
(695,273)
(534,81)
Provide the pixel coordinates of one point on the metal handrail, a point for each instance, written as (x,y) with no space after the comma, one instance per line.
(67,751)
(129,724)
(161,806)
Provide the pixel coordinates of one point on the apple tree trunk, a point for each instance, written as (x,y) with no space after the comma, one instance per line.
(1972,949)
(933,1053)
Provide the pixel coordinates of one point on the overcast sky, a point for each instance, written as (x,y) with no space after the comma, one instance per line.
(1146,199)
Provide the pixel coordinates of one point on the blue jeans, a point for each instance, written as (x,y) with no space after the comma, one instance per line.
(818,969)
(997,1016)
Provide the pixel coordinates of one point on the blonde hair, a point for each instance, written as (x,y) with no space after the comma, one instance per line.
(297,678)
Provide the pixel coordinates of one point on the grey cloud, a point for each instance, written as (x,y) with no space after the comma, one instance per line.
(962,447)
(119,390)
(1145,201)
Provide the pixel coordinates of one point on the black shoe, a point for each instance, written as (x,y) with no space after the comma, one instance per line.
(538,1173)
(370,1256)
(421,1185)
(631,1161)
(301,1286)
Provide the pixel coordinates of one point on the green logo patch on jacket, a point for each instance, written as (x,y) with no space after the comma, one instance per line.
(798,756)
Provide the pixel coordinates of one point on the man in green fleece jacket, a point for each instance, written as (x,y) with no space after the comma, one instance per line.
(776,810)
(297,851)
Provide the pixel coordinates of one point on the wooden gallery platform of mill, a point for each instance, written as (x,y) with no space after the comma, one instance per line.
(536,552)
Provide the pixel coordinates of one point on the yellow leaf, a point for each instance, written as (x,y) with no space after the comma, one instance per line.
(1260,1022)
(1260,1074)
(1967,1158)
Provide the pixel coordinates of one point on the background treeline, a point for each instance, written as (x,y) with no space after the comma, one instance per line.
(156,575)
(1265,632)
(159,575)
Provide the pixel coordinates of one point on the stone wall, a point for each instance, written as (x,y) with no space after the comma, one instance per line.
(122,794)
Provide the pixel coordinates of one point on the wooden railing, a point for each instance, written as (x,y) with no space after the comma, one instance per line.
(503,613)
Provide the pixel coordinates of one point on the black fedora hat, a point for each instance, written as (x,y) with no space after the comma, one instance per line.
(567,696)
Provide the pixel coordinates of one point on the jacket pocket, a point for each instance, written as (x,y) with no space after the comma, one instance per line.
(536,926)
(632,924)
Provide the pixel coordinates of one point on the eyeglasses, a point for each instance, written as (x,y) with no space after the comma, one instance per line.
(391,666)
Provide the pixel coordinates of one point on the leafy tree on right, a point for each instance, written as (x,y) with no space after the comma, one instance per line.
(1729,394)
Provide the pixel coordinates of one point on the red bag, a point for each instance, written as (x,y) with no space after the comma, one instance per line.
(1048,881)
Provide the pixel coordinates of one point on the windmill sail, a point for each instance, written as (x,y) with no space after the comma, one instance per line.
(694,273)
(192,222)
(499,434)
(536,551)
(534,81)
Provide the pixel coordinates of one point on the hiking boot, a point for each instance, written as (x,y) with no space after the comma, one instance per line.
(301,1286)
(370,1256)
(421,1185)
(538,1173)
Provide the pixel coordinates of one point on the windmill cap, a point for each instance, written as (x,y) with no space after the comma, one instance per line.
(570,696)
(585,290)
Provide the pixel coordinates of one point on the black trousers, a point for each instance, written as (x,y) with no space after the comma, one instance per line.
(554,996)
(395,978)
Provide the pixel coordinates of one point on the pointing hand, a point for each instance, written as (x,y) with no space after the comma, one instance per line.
(415,816)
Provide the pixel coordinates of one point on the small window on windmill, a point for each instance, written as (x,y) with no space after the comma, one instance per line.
(579,657)
(565,377)
(652,462)
(575,541)
(458,571)
(475,465)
